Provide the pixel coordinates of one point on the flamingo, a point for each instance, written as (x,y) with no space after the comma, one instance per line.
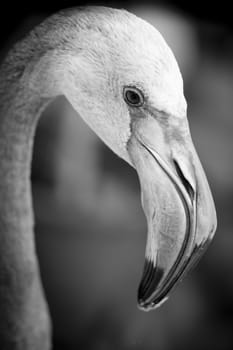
(121,77)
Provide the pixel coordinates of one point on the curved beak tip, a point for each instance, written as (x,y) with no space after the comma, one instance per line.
(152,276)
(151,306)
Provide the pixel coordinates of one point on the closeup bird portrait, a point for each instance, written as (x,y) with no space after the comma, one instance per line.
(105,205)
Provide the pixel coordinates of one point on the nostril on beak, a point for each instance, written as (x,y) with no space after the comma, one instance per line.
(188,187)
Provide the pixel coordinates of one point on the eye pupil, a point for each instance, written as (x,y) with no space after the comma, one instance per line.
(133,97)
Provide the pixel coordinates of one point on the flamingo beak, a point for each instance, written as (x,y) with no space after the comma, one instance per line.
(177,202)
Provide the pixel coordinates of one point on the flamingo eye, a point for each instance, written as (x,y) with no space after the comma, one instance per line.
(133,97)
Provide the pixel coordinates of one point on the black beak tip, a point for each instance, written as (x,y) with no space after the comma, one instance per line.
(151,278)
(147,306)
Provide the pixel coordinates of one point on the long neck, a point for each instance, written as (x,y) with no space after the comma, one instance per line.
(22,306)
(24,320)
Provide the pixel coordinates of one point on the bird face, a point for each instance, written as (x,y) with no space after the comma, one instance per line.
(176,198)
(130,91)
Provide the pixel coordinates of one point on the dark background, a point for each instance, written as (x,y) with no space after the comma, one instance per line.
(90,229)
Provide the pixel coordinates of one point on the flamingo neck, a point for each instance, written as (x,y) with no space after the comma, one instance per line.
(25,320)
(36,71)
(23,309)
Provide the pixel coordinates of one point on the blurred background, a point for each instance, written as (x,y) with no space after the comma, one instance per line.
(90,228)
